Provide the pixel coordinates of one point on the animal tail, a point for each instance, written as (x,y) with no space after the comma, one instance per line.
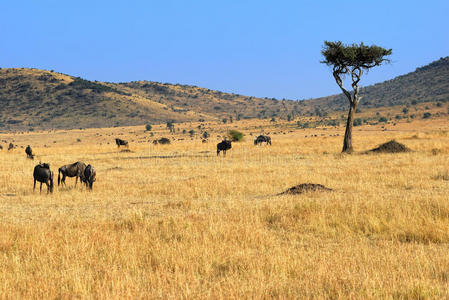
(59,176)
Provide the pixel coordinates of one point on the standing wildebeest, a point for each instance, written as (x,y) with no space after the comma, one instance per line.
(262,139)
(121,142)
(223,146)
(72,170)
(162,141)
(89,176)
(43,174)
(11,146)
(29,152)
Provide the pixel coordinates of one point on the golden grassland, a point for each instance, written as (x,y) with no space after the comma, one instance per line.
(177,221)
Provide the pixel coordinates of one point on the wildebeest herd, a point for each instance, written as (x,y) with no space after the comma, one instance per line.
(43,174)
(87,174)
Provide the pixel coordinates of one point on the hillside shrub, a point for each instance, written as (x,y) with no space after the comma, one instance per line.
(357,122)
(148,127)
(235,135)
(383,119)
(426,115)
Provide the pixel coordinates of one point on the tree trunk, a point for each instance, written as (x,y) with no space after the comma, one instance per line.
(347,142)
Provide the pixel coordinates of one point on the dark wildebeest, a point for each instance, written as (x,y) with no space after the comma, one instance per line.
(89,176)
(121,142)
(223,146)
(162,141)
(1,147)
(43,174)
(11,146)
(29,152)
(72,170)
(262,139)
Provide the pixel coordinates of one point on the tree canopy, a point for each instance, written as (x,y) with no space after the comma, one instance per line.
(344,56)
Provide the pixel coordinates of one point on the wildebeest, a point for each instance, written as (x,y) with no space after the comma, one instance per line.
(121,142)
(223,146)
(29,152)
(43,174)
(262,139)
(162,141)
(10,146)
(1,147)
(89,176)
(72,170)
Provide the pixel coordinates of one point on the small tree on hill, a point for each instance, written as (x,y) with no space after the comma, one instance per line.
(171,126)
(352,60)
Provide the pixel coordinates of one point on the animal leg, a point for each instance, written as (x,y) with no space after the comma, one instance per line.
(34,186)
(40,188)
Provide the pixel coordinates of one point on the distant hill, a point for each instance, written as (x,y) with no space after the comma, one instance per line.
(426,84)
(38,99)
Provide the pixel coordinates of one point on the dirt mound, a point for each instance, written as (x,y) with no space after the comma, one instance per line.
(391,147)
(306,187)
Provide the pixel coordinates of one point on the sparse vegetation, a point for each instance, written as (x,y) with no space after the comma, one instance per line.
(180,222)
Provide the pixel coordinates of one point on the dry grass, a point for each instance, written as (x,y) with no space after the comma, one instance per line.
(177,222)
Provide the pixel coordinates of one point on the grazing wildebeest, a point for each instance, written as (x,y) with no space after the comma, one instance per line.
(29,152)
(72,170)
(162,141)
(121,142)
(43,174)
(11,146)
(262,139)
(223,146)
(89,176)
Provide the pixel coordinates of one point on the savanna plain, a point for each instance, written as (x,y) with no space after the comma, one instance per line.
(176,221)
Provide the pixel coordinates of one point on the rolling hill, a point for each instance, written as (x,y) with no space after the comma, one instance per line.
(426,84)
(39,99)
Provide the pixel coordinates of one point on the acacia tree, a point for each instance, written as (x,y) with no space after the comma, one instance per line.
(352,60)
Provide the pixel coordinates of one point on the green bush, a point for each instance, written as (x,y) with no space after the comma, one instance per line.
(383,119)
(357,122)
(235,136)
(426,115)
(148,127)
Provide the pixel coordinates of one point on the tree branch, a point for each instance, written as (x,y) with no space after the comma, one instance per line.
(340,84)
(337,72)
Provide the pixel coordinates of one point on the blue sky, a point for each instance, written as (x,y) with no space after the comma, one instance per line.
(257,48)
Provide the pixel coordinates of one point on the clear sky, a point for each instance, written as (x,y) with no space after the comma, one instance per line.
(257,48)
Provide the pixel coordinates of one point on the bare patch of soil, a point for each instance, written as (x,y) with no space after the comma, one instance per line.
(306,187)
(391,147)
